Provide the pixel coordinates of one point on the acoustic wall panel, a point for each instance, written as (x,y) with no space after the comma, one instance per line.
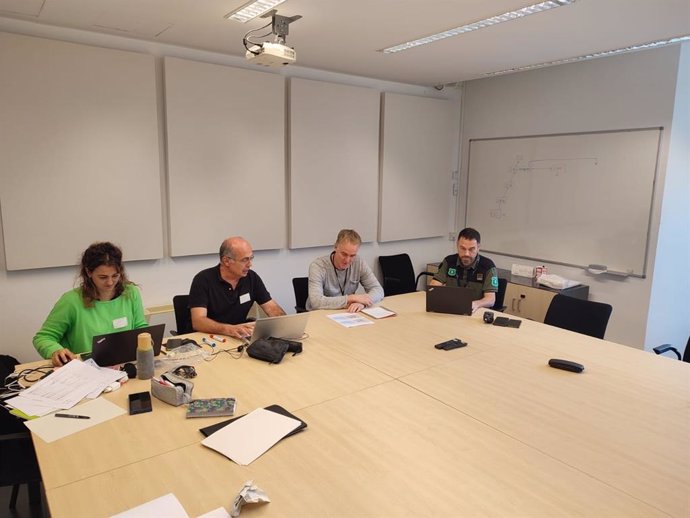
(79,152)
(334,146)
(416,170)
(226,156)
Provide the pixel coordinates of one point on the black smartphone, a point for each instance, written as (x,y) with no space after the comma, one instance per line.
(455,343)
(139,403)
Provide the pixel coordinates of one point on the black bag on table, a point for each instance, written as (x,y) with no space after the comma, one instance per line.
(272,349)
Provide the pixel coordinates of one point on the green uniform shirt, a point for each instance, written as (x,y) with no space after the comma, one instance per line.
(73,326)
(481,276)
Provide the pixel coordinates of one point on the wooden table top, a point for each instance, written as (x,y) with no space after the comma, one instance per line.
(398,428)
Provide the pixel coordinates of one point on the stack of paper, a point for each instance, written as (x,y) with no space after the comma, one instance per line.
(64,388)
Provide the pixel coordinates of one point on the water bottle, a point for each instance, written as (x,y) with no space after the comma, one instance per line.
(144,356)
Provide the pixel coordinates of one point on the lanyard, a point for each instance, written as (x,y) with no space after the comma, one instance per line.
(347,272)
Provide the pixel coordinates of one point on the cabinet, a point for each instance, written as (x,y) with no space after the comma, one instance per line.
(525,298)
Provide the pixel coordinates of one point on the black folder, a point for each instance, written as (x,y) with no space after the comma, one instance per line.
(208,430)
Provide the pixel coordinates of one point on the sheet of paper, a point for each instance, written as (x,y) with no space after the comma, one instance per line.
(246,439)
(216,513)
(108,375)
(378,312)
(51,428)
(350,319)
(166,505)
(65,387)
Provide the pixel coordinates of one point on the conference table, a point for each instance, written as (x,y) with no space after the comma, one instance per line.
(399,428)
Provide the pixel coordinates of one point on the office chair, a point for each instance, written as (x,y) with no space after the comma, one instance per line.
(183,315)
(661,349)
(398,274)
(18,463)
(582,316)
(301,287)
(500,295)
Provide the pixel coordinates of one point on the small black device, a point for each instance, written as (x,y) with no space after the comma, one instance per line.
(566,365)
(85,356)
(488,317)
(139,403)
(455,343)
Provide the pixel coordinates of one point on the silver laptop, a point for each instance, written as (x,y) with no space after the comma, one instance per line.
(449,299)
(290,327)
(121,346)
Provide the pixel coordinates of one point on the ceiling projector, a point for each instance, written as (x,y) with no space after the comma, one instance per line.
(271,54)
(275,53)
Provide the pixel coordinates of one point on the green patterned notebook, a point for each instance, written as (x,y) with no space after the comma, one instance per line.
(213,407)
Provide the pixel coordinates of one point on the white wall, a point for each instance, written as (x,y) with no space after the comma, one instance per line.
(27,296)
(635,90)
(669,313)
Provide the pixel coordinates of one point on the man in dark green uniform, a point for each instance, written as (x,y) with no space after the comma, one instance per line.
(469,269)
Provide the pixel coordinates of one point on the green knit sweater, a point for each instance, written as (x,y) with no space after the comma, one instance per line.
(72,326)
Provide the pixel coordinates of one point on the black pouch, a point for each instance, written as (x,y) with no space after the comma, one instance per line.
(272,349)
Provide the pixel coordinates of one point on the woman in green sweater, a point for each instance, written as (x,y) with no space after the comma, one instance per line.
(105,302)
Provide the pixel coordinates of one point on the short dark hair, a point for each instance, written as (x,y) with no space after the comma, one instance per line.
(470,234)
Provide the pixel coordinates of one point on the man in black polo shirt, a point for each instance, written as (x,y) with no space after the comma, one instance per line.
(469,269)
(220,297)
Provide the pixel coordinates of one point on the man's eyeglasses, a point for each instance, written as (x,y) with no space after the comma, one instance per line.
(244,260)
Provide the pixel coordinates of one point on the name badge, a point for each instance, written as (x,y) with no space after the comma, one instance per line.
(480,277)
(245,298)
(119,323)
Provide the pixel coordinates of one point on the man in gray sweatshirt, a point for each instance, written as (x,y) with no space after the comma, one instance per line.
(334,278)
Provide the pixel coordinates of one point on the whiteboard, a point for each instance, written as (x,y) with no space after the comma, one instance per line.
(80,152)
(334,161)
(417,163)
(575,199)
(226,156)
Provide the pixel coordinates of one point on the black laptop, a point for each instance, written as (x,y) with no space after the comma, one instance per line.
(121,346)
(449,299)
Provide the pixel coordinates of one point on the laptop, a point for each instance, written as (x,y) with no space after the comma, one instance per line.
(121,346)
(449,299)
(290,327)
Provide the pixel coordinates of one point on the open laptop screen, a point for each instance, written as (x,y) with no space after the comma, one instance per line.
(449,299)
(121,347)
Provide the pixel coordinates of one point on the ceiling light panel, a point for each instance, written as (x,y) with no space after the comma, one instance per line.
(594,55)
(487,22)
(251,10)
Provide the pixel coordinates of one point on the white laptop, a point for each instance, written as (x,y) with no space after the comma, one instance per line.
(290,327)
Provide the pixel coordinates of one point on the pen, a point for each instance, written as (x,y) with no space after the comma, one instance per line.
(218,338)
(208,342)
(73,416)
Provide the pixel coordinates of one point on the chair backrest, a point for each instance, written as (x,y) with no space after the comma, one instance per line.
(500,295)
(183,315)
(398,274)
(301,287)
(582,316)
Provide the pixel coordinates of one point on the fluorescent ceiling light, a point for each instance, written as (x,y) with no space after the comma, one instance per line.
(253,9)
(603,53)
(505,17)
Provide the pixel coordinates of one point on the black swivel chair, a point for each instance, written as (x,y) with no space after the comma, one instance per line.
(500,295)
(582,316)
(661,349)
(183,315)
(398,274)
(18,463)
(301,287)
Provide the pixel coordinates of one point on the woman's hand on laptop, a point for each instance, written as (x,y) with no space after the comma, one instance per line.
(62,356)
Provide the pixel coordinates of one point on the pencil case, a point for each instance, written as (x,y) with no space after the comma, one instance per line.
(179,394)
